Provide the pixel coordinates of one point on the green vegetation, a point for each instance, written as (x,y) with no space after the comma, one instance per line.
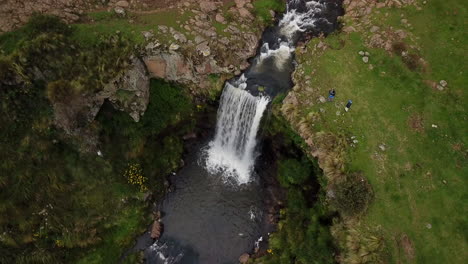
(59,205)
(262,8)
(410,137)
(303,235)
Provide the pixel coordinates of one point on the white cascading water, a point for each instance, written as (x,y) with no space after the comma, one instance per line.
(239,115)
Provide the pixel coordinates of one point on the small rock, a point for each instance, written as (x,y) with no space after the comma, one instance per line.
(156,230)
(365,59)
(220,18)
(443,83)
(440,87)
(272,13)
(174,46)
(428,226)
(119,11)
(367,53)
(244,258)
(444,181)
(355,141)
(374,29)
(338,113)
(204,49)
(382,147)
(147,34)
(122,4)
(322,99)
(434,125)
(361,53)
(162,28)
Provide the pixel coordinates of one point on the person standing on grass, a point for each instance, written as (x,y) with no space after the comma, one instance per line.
(348,105)
(331,95)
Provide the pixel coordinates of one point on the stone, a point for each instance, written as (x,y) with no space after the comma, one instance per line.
(361,53)
(272,13)
(244,258)
(428,226)
(443,83)
(163,29)
(322,99)
(207,6)
(119,10)
(374,29)
(180,37)
(122,4)
(174,47)
(382,147)
(440,87)
(243,12)
(240,3)
(147,34)
(338,113)
(199,39)
(156,230)
(204,49)
(220,18)
(365,59)
(367,53)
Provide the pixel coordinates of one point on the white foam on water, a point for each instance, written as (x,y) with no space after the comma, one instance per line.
(280,55)
(294,22)
(239,114)
(232,150)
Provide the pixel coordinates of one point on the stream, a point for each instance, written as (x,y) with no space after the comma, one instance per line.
(216,211)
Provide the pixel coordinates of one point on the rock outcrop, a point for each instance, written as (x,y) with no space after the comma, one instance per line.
(127,92)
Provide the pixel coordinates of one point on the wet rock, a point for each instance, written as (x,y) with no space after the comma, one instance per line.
(156,230)
(244,258)
(188,136)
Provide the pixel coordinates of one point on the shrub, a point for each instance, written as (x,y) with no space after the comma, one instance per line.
(351,195)
(292,171)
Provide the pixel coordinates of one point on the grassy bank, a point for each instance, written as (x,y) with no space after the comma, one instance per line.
(404,133)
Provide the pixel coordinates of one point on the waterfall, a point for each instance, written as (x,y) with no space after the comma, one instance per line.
(244,99)
(239,116)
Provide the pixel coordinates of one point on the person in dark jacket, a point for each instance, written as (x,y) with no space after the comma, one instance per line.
(348,105)
(331,95)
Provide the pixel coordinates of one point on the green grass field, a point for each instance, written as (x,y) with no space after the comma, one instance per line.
(419,179)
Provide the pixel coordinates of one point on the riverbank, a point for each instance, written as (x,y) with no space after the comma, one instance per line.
(404,131)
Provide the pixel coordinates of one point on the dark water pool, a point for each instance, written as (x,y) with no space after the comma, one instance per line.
(206,219)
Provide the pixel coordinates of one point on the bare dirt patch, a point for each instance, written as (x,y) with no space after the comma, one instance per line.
(407,246)
(416,123)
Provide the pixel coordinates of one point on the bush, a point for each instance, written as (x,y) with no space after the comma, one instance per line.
(352,195)
(293,172)
(39,24)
